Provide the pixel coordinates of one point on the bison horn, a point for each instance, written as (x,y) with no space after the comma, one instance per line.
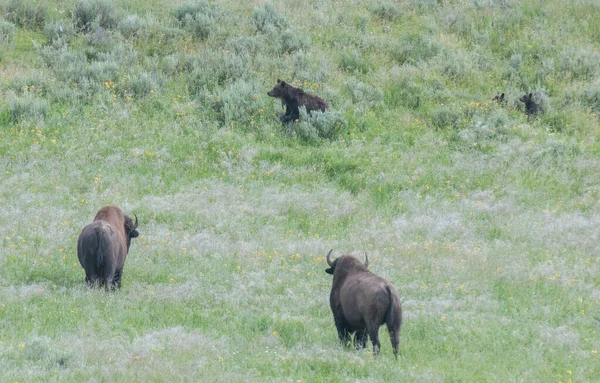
(329,258)
(136,221)
(366,260)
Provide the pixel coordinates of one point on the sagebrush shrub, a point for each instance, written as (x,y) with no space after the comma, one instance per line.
(75,67)
(102,71)
(353,61)
(292,41)
(142,84)
(200,25)
(362,93)
(457,21)
(386,10)
(103,12)
(414,49)
(193,9)
(580,64)
(34,86)
(121,53)
(60,30)
(266,19)
(240,104)
(445,117)
(555,121)
(7,31)
(200,19)
(402,89)
(28,107)
(67,65)
(244,44)
(590,97)
(455,65)
(317,125)
(134,26)
(423,6)
(210,68)
(27,14)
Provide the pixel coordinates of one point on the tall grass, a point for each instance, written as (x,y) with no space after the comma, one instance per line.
(484,220)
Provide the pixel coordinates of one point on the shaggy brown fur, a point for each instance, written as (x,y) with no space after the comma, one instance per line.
(531,107)
(103,246)
(361,302)
(293,99)
(499,98)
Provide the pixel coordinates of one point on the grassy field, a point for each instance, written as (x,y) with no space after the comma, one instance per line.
(487,222)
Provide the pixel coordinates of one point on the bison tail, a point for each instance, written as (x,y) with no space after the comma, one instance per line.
(100,256)
(393,319)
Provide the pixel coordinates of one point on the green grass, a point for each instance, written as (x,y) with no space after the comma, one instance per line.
(486,222)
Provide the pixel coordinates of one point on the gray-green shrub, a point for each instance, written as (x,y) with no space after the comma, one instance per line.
(62,29)
(103,12)
(211,68)
(200,19)
(266,19)
(292,41)
(353,61)
(385,10)
(28,107)
(401,89)
(362,93)
(143,83)
(590,97)
(134,26)
(240,104)
(579,63)
(444,117)
(27,14)
(414,49)
(7,31)
(317,125)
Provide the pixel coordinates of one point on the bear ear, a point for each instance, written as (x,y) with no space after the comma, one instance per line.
(502,96)
(282,83)
(530,95)
(278,81)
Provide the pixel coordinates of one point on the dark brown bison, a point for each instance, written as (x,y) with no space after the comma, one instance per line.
(103,246)
(361,302)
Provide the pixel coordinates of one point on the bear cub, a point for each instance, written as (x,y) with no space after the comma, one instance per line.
(293,99)
(531,107)
(499,98)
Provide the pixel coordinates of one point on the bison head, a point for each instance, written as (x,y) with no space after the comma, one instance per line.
(130,229)
(333,264)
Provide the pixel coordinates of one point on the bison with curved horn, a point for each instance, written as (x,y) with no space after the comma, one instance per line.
(103,246)
(361,302)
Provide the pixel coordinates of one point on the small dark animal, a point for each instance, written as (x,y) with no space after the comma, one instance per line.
(293,99)
(499,98)
(361,302)
(103,246)
(531,107)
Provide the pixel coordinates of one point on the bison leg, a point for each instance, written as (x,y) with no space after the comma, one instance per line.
(360,339)
(110,278)
(342,332)
(374,335)
(91,280)
(118,276)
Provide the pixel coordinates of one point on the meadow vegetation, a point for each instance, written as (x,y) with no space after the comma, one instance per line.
(487,222)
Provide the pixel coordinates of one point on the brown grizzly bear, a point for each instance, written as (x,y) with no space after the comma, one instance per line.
(293,99)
